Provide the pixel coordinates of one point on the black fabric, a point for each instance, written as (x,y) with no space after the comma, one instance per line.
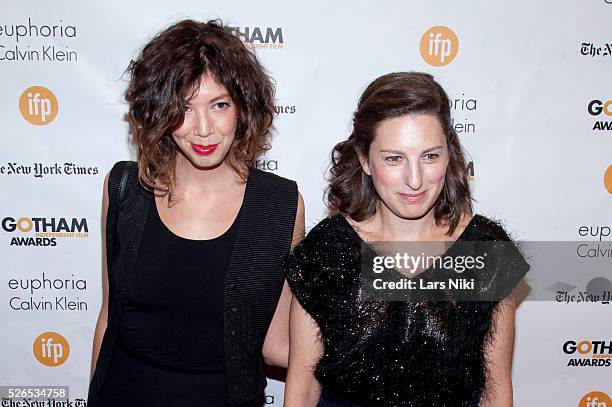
(133,381)
(253,281)
(326,401)
(166,319)
(391,353)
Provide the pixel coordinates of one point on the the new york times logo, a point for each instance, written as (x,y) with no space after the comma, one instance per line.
(284,109)
(593,50)
(40,170)
(260,37)
(45,231)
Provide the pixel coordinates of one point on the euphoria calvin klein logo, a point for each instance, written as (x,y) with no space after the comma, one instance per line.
(38,105)
(470,170)
(439,46)
(266,164)
(33,42)
(51,349)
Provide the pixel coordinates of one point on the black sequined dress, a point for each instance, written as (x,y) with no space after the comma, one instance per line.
(392,353)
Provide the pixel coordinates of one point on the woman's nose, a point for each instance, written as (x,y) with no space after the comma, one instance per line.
(412,175)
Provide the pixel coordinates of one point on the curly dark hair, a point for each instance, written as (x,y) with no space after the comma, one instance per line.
(350,190)
(168,71)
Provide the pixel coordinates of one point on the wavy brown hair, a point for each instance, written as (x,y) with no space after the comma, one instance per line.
(168,71)
(350,190)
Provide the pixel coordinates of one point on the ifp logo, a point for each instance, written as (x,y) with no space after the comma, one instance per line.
(608,178)
(595,399)
(51,349)
(38,105)
(439,46)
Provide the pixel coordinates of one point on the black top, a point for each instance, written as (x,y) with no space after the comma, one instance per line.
(400,353)
(253,281)
(173,315)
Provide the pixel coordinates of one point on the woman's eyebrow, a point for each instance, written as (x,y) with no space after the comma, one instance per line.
(401,152)
(222,96)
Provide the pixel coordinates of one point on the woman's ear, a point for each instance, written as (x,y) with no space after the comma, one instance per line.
(363,160)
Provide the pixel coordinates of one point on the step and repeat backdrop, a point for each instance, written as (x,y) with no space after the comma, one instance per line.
(531,92)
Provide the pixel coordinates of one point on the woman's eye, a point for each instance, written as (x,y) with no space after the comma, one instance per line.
(187,108)
(393,158)
(431,156)
(222,105)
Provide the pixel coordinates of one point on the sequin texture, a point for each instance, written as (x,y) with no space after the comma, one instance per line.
(390,353)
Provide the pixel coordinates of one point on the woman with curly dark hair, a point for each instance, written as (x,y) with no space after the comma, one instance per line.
(400,177)
(194,297)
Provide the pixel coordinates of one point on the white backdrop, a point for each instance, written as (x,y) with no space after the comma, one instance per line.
(521,81)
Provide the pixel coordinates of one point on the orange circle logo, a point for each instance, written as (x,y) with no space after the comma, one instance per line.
(439,46)
(51,349)
(24,224)
(595,399)
(38,105)
(584,347)
(608,179)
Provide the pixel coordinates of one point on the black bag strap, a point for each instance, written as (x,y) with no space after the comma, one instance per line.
(118,192)
(117,181)
(124,178)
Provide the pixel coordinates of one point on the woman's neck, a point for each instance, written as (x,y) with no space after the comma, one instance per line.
(384,225)
(394,228)
(187,176)
(190,179)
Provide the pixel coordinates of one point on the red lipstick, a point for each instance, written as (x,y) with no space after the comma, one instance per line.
(204,150)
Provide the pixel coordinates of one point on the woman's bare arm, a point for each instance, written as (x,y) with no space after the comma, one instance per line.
(276,343)
(302,389)
(498,354)
(103,316)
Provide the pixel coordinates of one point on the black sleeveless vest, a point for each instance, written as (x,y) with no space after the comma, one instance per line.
(254,279)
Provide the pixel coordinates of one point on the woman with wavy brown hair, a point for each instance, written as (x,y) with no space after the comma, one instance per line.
(400,177)
(194,297)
